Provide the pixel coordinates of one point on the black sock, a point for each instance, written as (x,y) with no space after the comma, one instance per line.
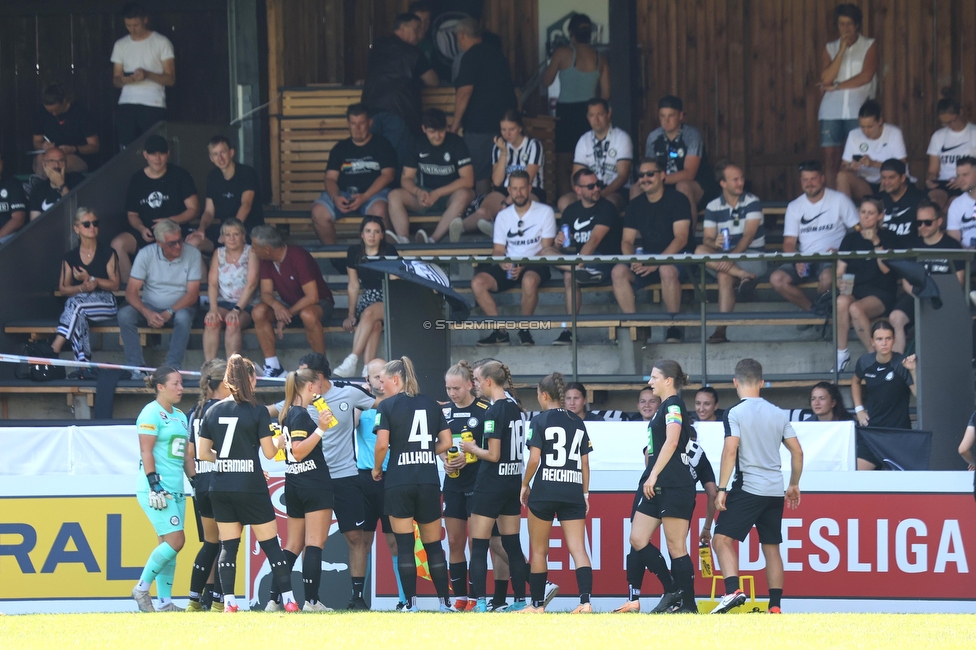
(459,579)
(407,566)
(683,573)
(775,597)
(501,593)
(358,585)
(731,584)
(275,594)
(651,556)
(537,587)
(437,562)
(584,582)
(635,574)
(218,593)
(516,564)
(227,564)
(478,568)
(202,565)
(312,572)
(280,567)
(206,598)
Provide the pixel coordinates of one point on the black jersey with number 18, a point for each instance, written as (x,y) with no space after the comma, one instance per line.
(236,431)
(562,438)
(413,423)
(203,468)
(503,421)
(311,472)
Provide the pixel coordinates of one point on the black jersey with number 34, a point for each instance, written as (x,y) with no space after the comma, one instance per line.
(203,468)
(311,472)
(470,418)
(562,438)
(504,422)
(236,431)
(414,424)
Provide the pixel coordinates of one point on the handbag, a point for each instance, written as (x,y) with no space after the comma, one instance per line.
(40,372)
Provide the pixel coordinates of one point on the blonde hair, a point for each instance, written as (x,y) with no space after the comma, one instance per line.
(238,377)
(211,372)
(463,370)
(296,381)
(233,222)
(553,387)
(499,374)
(403,368)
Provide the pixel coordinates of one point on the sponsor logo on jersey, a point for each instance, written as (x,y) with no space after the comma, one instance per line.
(579,225)
(945,148)
(343,406)
(46,205)
(864,146)
(472,423)
(147,426)
(3,194)
(446,411)
(890,376)
(806,221)
(489,426)
(673,415)
(174,520)
(359,166)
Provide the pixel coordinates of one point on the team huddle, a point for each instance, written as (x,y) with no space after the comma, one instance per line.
(479,436)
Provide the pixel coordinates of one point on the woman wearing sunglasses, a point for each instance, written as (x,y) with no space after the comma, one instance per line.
(89,275)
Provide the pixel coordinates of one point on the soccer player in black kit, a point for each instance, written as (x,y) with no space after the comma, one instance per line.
(499,484)
(559,450)
(230,435)
(412,428)
(665,496)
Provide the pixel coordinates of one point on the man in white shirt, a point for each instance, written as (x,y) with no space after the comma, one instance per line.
(866,149)
(144,65)
(523,229)
(815,223)
(961,220)
(956,139)
(608,151)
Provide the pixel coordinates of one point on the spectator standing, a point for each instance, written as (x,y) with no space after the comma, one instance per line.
(303,296)
(662,218)
(706,405)
(59,183)
(827,404)
(13,206)
(956,138)
(160,191)
(524,229)
(437,179)
(484,92)
(607,151)
(358,176)
(143,66)
(422,10)
(901,199)
(847,81)
(583,76)
(231,285)
(65,124)
(163,288)
(733,224)
(961,220)
(866,150)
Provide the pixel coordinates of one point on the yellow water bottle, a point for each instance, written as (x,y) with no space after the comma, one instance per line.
(452,454)
(467,436)
(275,434)
(321,405)
(705,552)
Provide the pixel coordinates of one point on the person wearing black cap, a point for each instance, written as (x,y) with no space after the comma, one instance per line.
(901,200)
(160,191)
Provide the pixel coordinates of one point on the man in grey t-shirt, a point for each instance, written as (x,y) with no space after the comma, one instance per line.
(754,430)
(163,288)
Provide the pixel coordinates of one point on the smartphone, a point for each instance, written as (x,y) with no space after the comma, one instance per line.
(857,157)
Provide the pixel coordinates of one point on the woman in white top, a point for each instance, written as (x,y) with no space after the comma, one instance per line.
(232,281)
(847,81)
(956,138)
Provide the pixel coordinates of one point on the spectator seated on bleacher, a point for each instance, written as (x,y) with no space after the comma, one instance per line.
(163,289)
(733,224)
(901,199)
(956,138)
(437,179)
(827,404)
(523,229)
(365,292)
(662,217)
(816,222)
(358,176)
(64,124)
(231,286)
(706,405)
(594,229)
(89,275)
(232,193)
(867,147)
(961,217)
(647,405)
(608,152)
(56,184)
(157,192)
(13,206)
(575,400)
(512,151)
(304,299)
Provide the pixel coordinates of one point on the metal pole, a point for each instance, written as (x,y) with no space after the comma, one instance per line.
(573,287)
(704,299)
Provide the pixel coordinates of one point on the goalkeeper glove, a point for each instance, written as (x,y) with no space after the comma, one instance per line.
(157,495)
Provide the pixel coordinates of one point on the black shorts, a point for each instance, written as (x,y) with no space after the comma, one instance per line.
(677,502)
(887,298)
(419,502)
(245,508)
(497,504)
(952,192)
(744,510)
(863,451)
(906,304)
(562,510)
(457,504)
(350,503)
(202,504)
(501,277)
(298,501)
(373,492)
(643,281)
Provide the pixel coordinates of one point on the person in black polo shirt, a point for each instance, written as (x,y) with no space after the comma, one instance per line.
(662,218)
(232,192)
(160,191)
(43,196)
(437,179)
(65,125)
(901,199)
(13,206)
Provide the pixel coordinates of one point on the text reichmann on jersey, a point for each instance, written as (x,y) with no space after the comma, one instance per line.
(562,476)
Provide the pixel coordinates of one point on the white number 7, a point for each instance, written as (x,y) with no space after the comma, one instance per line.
(228,435)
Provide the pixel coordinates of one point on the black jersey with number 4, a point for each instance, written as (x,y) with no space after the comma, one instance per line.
(675,473)
(236,431)
(413,423)
(204,468)
(504,422)
(311,472)
(562,437)
(469,418)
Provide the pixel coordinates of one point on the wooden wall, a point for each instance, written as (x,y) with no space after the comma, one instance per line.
(747,71)
(70,42)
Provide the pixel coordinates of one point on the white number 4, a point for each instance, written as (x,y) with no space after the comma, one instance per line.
(558,436)
(418,430)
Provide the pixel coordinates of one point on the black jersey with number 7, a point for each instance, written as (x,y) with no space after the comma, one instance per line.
(414,424)
(236,431)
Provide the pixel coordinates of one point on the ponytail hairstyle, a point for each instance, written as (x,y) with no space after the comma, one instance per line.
(553,387)
(211,376)
(238,377)
(463,370)
(672,370)
(499,374)
(296,381)
(403,368)
(160,376)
